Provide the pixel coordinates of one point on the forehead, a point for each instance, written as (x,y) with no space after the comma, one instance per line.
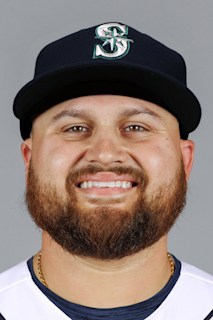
(105,105)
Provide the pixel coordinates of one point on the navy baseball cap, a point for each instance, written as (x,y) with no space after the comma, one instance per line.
(110,58)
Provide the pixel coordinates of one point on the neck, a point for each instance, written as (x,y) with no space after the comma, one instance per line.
(112,283)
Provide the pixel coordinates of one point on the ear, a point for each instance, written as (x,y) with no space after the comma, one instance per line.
(26,150)
(187,149)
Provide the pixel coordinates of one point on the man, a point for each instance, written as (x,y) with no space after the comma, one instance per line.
(105,124)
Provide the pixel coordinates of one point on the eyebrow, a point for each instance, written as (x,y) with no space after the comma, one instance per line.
(70,113)
(86,115)
(136,111)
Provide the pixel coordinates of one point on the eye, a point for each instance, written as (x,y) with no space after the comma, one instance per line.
(134,128)
(76,129)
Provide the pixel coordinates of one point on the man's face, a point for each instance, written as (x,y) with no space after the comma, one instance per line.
(106,174)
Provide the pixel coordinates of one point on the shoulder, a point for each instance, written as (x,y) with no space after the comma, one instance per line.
(14,277)
(20,298)
(190,298)
(195,275)
(195,285)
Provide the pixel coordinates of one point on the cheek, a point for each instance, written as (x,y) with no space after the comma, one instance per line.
(160,160)
(52,160)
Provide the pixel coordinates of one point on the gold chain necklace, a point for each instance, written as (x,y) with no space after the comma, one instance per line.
(172,263)
(41,275)
(43,281)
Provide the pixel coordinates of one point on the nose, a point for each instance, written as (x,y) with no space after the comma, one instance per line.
(106,149)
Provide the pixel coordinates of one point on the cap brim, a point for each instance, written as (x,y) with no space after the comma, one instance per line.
(48,90)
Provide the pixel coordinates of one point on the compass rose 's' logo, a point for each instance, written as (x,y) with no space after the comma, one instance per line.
(115,42)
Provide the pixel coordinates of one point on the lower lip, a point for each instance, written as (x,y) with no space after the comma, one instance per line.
(105,191)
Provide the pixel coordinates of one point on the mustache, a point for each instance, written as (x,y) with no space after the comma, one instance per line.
(139,175)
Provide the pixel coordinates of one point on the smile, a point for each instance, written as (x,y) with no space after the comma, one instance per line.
(106,184)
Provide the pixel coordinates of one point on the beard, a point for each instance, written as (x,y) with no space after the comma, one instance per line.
(106,232)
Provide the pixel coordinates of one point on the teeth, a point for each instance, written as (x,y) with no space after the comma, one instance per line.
(89,184)
(106,184)
(118,184)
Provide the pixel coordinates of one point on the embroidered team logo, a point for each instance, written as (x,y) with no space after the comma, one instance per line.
(115,42)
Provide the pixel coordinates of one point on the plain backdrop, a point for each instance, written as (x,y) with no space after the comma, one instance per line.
(28,25)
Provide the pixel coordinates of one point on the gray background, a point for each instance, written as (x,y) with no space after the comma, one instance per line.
(27,25)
